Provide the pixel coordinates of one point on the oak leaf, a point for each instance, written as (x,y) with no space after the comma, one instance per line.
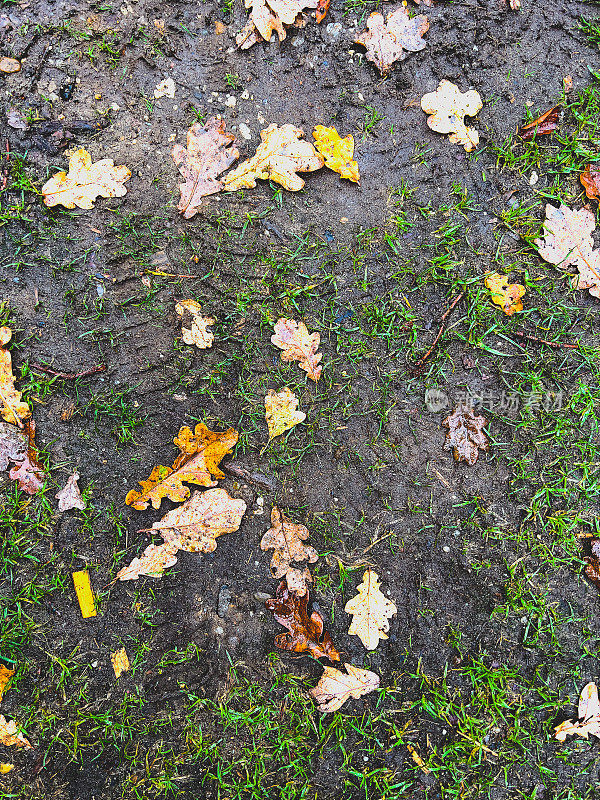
(153,562)
(306,633)
(27,471)
(13,444)
(200,454)
(589,716)
(448,107)
(268,17)
(465,434)
(10,735)
(298,345)
(287,541)
(544,124)
(337,152)
(590,180)
(278,157)
(335,687)
(85,182)
(70,496)
(391,39)
(13,408)
(5,676)
(210,151)
(196,333)
(281,411)
(504,294)
(371,610)
(592,563)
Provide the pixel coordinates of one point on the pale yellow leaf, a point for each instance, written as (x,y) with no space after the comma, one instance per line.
(10,735)
(589,716)
(335,687)
(194,325)
(281,411)
(287,539)
(448,107)
(85,182)
(371,610)
(153,562)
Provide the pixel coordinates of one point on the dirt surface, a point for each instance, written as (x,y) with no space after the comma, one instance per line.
(372,268)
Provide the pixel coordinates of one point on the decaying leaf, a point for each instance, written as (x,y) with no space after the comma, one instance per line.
(298,345)
(281,411)
(120,662)
(153,562)
(13,408)
(592,563)
(465,434)
(287,541)
(391,39)
(13,445)
(85,182)
(15,119)
(210,151)
(371,610)
(588,713)
(306,633)
(448,107)
(322,9)
(85,595)
(504,294)
(70,496)
(201,452)
(335,687)
(194,325)
(10,735)
(5,676)
(268,17)
(9,65)
(544,124)
(337,152)
(28,472)
(278,157)
(590,180)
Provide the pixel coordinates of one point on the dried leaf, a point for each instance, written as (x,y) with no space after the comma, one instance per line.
(28,472)
(13,445)
(9,65)
(85,595)
(306,634)
(210,151)
(544,124)
(322,9)
(197,332)
(417,759)
(70,496)
(448,107)
(278,157)
(15,119)
(298,345)
(120,662)
(504,294)
(588,713)
(155,559)
(335,687)
(5,676)
(337,152)
(287,541)
(590,180)
(201,452)
(392,39)
(13,408)
(6,768)
(268,17)
(465,434)
(282,411)
(592,563)
(9,734)
(85,182)
(371,610)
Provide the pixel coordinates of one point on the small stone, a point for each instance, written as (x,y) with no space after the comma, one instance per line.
(344,220)
(230,101)
(115,107)
(260,118)
(9,65)
(245,95)
(334,29)
(219,630)
(224,601)
(261,596)
(534,178)
(245,131)
(297,41)
(446,549)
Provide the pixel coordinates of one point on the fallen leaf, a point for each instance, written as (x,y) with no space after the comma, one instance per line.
(544,124)
(278,157)
(417,759)
(370,610)
(588,713)
(5,676)
(9,65)
(590,180)
(85,595)
(465,434)
(322,9)
(298,345)
(165,88)
(268,17)
(592,563)
(28,471)
(6,768)
(448,107)
(201,452)
(514,5)
(504,294)
(13,408)
(568,84)
(9,734)
(15,119)
(306,633)
(70,496)
(337,152)
(335,687)
(391,39)
(85,182)
(196,333)
(282,411)
(13,444)
(120,662)
(155,559)
(210,151)
(287,541)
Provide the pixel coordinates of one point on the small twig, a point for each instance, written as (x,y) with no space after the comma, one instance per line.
(162,274)
(381,538)
(420,364)
(69,376)
(536,339)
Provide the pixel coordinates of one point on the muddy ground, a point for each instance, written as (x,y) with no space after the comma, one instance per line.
(368,466)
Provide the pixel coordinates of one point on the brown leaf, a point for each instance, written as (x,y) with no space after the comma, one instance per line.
(85,182)
(28,472)
(210,151)
(268,17)
(155,559)
(588,713)
(371,610)
(335,687)
(5,676)
(392,39)
(504,294)
(13,408)
(278,157)
(201,452)
(10,735)
(322,9)
(287,541)
(298,345)
(590,180)
(592,563)
(306,634)
(465,434)
(448,107)
(13,445)
(196,331)
(281,411)
(544,124)
(70,496)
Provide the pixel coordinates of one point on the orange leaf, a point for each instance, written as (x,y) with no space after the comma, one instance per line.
(590,180)
(13,408)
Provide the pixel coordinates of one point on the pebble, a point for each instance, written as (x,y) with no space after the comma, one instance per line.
(298,41)
(334,29)
(219,630)
(230,101)
(534,178)
(245,95)
(261,596)
(245,131)
(224,601)
(446,549)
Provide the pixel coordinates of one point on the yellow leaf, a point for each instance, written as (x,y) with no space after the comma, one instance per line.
(13,408)
(504,294)
(448,107)
(371,610)
(5,768)
(298,345)
(85,182)
(9,65)
(335,687)
(337,152)
(279,157)
(5,676)
(153,562)
(197,332)
(120,662)
(10,735)
(83,589)
(282,411)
